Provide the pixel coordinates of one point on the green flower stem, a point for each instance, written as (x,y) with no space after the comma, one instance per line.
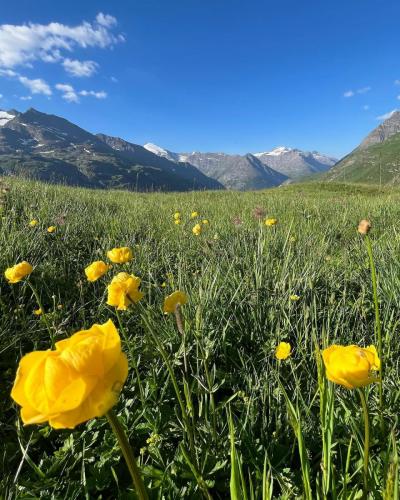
(366,439)
(188,428)
(378,330)
(128,455)
(181,329)
(39,303)
(132,356)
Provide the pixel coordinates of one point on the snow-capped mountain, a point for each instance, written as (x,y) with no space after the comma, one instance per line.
(164,153)
(6,116)
(252,171)
(296,163)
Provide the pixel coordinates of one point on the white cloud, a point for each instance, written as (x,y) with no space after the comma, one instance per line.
(36,86)
(97,95)
(72,95)
(79,68)
(386,115)
(365,107)
(106,20)
(1,96)
(26,43)
(351,93)
(26,98)
(397,82)
(68,92)
(8,72)
(113,79)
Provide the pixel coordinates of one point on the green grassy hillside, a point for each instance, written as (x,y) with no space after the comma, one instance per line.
(239,276)
(378,163)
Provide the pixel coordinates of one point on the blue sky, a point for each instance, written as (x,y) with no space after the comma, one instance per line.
(207,75)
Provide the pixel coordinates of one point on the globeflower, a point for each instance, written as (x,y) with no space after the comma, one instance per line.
(177,215)
(196,229)
(351,366)
(96,270)
(177,221)
(294,297)
(124,291)
(171,302)
(205,221)
(283,351)
(81,379)
(16,273)
(120,255)
(33,223)
(51,229)
(38,312)
(270,222)
(193,215)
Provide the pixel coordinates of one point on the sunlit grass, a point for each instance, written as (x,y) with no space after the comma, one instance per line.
(211,412)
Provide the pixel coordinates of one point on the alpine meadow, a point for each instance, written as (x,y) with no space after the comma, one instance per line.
(200,250)
(225,390)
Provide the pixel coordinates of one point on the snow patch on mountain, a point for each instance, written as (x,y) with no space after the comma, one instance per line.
(5,117)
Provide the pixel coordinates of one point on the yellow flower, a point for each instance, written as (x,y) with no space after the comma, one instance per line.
(51,229)
(364,227)
(163,285)
(283,351)
(18,272)
(38,312)
(33,223)
(78,381)
(205,221)
(294,298)
(270,222)
(96,270)
(351,366)
(177,215)
(193,215)
(177,221)
(196,229)
(177,298)
(124,291)
(120,255)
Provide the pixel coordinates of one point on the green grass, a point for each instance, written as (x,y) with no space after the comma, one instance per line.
(377,164)
(261,429)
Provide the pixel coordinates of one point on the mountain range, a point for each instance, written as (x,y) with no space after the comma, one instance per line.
(252,171)
(376,160)
(49,148)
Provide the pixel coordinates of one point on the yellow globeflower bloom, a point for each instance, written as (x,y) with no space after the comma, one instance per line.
(38,312)
(193,215)
(124,291)
(196,229)
(205,221)
(51,229)
(351,366)
(78,381)
(33,223)
(270,222)
(294,298)
(96,270)
(18,272)
(283,351)
(177,298)
(177,221)
(177,215)
(120,255)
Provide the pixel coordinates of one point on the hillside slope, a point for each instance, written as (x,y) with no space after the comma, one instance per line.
(376,160)
(50,148)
